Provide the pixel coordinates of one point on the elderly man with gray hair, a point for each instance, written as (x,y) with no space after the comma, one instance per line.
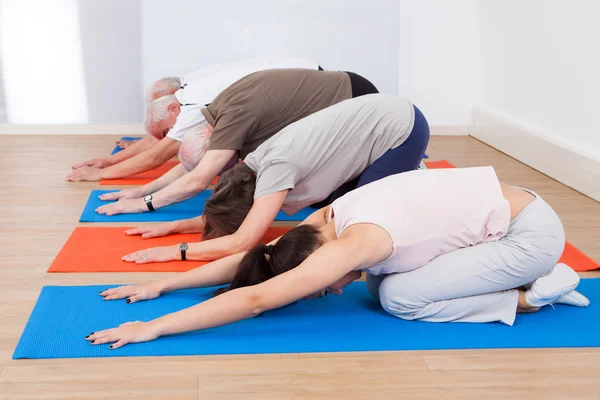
(180,98)
(240,119)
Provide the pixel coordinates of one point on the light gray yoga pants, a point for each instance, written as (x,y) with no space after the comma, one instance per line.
(477,284)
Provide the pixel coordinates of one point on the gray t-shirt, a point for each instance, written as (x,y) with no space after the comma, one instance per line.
(317,154)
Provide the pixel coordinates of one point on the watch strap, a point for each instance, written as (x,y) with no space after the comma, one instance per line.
(149,204)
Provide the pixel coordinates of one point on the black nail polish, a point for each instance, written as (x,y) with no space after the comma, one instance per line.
(92,342)
(87,336)
(92,333)
(128,301)
(110,347)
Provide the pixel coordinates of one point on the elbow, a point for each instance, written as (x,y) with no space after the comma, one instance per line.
(241,244)
(155,162)
(257,305)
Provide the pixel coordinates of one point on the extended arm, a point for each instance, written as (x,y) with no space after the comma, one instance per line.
(254,227)
(152,158)
(349,253)
(154,186)
(196,181)
(135,148)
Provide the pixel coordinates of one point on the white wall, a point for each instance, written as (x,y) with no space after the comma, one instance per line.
(541,68)
(112,58)
(355,35)
(439,60)
(70,61)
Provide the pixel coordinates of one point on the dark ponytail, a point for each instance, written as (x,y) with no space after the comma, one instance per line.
(264,262)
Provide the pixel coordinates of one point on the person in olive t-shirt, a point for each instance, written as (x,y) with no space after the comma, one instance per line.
(241,118)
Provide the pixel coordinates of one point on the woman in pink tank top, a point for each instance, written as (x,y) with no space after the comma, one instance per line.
(436,245)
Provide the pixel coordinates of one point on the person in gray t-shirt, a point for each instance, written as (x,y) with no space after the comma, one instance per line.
(316,159)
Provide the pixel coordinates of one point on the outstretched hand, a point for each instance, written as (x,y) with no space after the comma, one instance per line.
(94,162)
(123,206)
(123,144)
(154,254)
(133,293)
(129,332)
(152,230)
(121,194)
(85,173)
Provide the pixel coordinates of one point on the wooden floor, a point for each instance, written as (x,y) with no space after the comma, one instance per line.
(38,210)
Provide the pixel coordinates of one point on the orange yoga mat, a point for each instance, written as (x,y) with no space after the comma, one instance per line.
(439,164)
(145,177)
(571,256)
(577,260)
(99,249)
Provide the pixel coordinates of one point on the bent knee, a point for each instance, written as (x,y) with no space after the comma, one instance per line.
(399,301)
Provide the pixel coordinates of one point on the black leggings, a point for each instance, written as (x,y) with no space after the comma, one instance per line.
(360,85)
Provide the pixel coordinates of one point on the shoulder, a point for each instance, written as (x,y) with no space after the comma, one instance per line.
(369,242)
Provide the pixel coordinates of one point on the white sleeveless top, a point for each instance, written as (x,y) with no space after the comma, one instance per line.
(427,213)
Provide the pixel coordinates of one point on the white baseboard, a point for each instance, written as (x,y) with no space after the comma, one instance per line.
(138,129)
(569,166)
(72,129)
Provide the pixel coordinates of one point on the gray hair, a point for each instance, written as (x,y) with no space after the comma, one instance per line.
(158,110)
(194,146)
(163,87)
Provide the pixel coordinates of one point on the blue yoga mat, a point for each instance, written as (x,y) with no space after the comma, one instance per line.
(354,321)
(118,149)
(186,209)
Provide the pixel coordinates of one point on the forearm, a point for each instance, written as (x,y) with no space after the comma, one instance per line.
(192,225)
(218,248)
(224,309)
(216,273)
(162,182)
(139,146)
(182,189)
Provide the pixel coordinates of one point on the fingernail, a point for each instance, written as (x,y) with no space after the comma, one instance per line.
(92,333)
(128,301)
(92,342)
(110,347)
(87,336)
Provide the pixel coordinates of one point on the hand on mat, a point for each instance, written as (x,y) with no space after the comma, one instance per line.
(129,332)
(94,162)
(85,174)
(123,144)
(146,291)
(122,194)
(155,254)
(152,230)
(123,206)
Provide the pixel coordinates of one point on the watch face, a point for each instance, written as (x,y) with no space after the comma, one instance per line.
(148,198)
(183,246)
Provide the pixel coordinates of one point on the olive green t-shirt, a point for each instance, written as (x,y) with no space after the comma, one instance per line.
(261,104)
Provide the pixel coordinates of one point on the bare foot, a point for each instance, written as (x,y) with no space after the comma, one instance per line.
(523,306)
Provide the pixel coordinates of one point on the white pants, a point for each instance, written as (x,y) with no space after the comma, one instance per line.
(477,284)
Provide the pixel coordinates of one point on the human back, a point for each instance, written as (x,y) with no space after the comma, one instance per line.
(427,213)
(261,104)
(317,154)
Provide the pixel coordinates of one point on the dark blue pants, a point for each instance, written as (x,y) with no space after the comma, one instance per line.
(405,157)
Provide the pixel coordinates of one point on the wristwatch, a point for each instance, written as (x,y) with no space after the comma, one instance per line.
(148,200)
(183,248)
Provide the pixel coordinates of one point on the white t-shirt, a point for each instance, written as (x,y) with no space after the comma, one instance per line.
(189,118)
(427,213)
